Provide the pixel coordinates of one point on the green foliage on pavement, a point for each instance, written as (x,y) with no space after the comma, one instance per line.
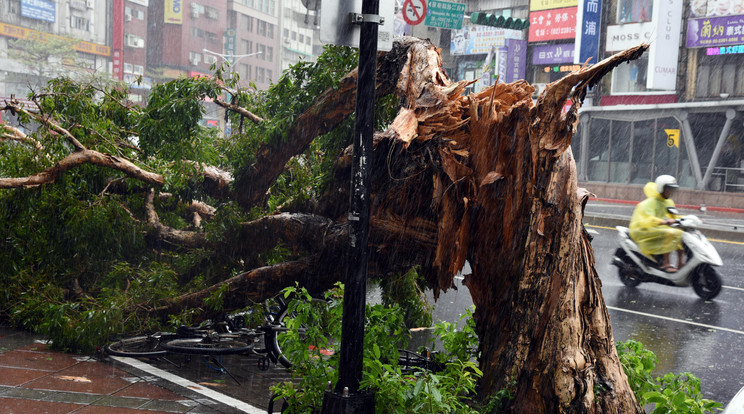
(671,393)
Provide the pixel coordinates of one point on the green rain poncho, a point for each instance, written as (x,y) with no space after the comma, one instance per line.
(645,226)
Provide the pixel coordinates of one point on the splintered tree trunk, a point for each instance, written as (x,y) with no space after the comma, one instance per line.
(495,172)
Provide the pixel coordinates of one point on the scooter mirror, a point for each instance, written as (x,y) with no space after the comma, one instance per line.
(672,210)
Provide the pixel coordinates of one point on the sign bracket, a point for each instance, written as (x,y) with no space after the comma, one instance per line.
(359,18)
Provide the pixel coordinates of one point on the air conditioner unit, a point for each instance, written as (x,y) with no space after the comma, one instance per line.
(140,43)
(89,3)
(127,17)
(194,14)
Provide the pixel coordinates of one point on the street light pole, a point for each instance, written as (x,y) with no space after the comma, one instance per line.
(228,58)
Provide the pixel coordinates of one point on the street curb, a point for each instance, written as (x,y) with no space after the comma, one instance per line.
(182,386)
(687,206)
(730,233)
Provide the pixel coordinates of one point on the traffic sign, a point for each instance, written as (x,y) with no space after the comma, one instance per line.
(414,11)
(444,14)
(336,27)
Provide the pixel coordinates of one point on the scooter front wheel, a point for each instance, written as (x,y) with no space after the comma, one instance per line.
(706,282)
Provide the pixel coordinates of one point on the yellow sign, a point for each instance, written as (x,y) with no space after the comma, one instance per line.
(174,11)
(672,137)
(536,5)
(23,33)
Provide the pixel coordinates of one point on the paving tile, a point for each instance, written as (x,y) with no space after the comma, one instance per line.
(43,361)
(66,381)
(4,389)
(115,410)
(148,390)
(94,369)
(72,397)
(27,393)
(123,402)
(19,406)
(168,406)
(18,376)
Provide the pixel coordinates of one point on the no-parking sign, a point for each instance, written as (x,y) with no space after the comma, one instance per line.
(414,11)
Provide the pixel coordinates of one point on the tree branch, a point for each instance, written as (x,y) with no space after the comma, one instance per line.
(79,158)
(238,109)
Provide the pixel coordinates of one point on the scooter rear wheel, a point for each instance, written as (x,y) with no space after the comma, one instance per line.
(706,282)
(626,273)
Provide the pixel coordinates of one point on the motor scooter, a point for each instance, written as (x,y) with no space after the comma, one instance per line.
(635,267)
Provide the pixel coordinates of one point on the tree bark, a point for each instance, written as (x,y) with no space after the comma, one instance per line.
(495,172)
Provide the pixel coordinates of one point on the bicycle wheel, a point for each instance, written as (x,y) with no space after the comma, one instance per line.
(272,336)
(146,346)
(209,345)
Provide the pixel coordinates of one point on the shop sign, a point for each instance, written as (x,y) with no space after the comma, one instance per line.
(537,5)
(516,57)
(552,24)
(703,8)
(715,31)
(553,54)
(561,68)
(624,36)
(23,33)
(39,10)
(589,19)
(173,11)
(444,14)
(725,50)
(478,40)
(664,49)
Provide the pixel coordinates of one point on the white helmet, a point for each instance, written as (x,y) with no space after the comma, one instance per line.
(664,181)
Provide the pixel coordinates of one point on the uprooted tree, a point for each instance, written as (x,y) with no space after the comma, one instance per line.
(104,198)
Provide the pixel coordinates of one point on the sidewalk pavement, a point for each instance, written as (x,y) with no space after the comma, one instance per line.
(35,379)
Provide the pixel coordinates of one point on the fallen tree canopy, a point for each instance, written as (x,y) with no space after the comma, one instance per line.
(486,178)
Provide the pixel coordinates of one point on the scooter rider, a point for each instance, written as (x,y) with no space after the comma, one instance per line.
(649,225)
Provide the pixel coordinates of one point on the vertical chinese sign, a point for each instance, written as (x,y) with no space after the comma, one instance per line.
(588,23)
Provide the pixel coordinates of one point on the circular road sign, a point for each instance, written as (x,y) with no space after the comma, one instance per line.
(414,11)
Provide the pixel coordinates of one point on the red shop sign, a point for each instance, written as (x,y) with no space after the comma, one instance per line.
(553,24)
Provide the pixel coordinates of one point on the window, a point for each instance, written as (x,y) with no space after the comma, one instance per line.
(245,71)
(286,33)
(260,75)
(634,11)
(269,75)
(261,51)
(272,7)
(127,14)
(307,39)
(194,58)
(211,37)
(128,68)
(302,38)
(248,23)
(270,30)
(261,28)
(294,35)
(269,54)
(80,23)
(212,13)
(196,32)
(139,70)
(724,75)
(140,15)
(630,78)
(247,46)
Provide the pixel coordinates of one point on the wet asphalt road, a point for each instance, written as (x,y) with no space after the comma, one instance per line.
(686,333)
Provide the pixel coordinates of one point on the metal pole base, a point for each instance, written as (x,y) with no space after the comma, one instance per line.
(356,403)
